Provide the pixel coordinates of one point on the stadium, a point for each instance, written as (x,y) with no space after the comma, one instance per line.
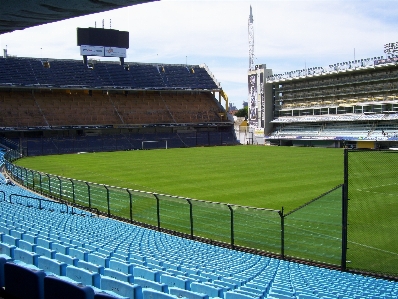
(63,237)
(350,103)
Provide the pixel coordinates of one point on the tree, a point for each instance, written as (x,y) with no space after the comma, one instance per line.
(242,112)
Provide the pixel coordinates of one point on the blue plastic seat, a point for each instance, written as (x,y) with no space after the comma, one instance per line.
(45,252)
(29,238)
(235,295)
(180,293)
(145,283)
(23,282)
(113,286)
(119,275)
(44,243)
(55,288)
(7,250)
(170,265)
(177,282)
(66,259)
(189,270)
(152,294)
(234,280)
(108,295)
(146,273)
(51,266)
(91,247)
(83,276)
(221,283)
(98,259)
(212,291)
(120,256)
(199,278)
(307,296)
(10,240)
(26,256)
(16,233)
(90,267)
(78,253)
(25,245)
(61,248)
(280,296)
(121,266)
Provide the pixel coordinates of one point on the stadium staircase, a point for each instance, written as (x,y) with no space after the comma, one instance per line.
(55,252)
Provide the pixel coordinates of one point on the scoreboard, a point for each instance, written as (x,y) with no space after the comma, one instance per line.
(102,37)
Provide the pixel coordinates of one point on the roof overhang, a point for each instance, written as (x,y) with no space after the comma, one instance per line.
(20,14)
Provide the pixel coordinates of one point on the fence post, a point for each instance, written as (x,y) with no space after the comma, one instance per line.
(40,180)
(107,200)
(190,216)
(282,233)
(12,171)
(60,188)
(33,180)
(20,176)
(26,175)
(232,226)
(49,184)
(131,205)
(157,209)
(73,190)
(344,217)
(89,195)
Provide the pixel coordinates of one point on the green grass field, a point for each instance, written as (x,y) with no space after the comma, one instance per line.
(258,176)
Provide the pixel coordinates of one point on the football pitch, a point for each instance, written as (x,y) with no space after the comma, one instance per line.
(256,176)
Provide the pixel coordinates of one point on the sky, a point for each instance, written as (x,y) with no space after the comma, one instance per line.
(288,35)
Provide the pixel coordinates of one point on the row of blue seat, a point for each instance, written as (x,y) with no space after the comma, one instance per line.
(45,146)
(30,71)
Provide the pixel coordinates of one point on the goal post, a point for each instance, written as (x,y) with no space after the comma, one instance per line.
(159,143)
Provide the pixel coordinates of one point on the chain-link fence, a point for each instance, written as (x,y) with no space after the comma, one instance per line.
(372,235)
(314,230)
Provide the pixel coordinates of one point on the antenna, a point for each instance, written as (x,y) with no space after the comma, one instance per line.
(251,40)
(110,23)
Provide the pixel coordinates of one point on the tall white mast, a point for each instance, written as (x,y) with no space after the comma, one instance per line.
(251,41)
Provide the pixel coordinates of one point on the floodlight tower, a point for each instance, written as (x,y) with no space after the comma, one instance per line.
(251,41)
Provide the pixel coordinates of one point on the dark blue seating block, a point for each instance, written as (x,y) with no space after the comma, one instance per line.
(55,288)
(3,260)
(22,282)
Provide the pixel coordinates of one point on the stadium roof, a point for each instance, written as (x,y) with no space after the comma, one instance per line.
(21,14)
